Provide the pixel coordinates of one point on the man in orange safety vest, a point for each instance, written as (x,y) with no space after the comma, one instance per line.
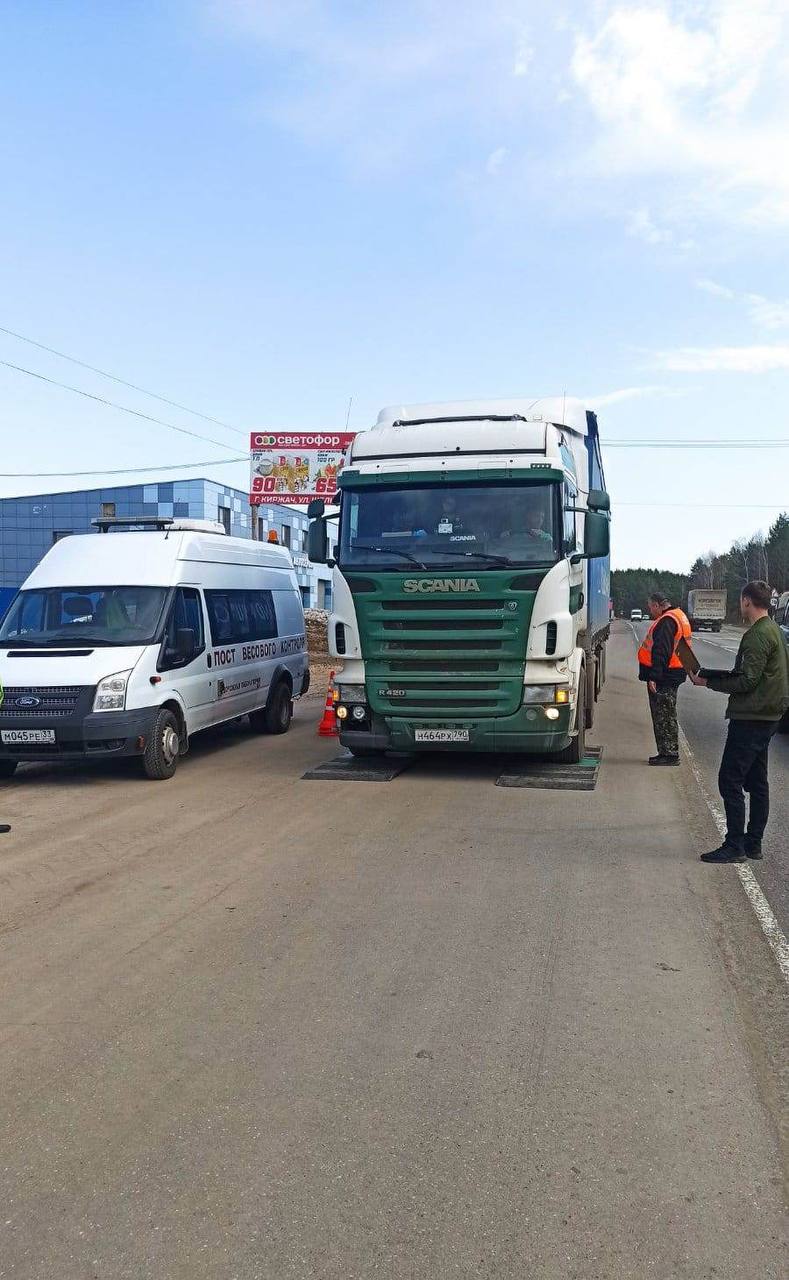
(660,668)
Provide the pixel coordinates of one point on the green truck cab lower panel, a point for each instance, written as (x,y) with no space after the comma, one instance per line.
(527,731)
(433,653)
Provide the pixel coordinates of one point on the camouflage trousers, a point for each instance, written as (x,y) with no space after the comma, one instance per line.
(663,707)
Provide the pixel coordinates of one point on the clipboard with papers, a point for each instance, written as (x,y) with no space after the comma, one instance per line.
(688,658)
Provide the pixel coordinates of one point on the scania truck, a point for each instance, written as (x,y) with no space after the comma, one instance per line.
(470,579)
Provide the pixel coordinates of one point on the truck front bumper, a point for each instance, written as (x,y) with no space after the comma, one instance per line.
(527,731)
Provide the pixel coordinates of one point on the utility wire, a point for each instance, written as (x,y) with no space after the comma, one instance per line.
(121,471)
(695,444)
(136,413)
(121,381)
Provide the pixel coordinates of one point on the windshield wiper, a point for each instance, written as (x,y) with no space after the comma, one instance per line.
(395,551)
(487,555)
(77,641)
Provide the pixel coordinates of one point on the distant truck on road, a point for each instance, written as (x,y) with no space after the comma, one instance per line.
(472,587)
(706,609)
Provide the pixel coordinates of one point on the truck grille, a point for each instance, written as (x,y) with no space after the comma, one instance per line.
(55,702)
(433,658)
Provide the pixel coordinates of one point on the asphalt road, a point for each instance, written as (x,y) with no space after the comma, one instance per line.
(257,1027)
(701,714)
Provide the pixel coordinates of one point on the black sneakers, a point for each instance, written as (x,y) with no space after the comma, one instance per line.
(753,848)
(726,853)
(664,760)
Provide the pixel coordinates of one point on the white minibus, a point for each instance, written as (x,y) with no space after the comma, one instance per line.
(125,643)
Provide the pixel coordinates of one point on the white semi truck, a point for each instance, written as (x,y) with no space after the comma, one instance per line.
(706,609)
(471,583)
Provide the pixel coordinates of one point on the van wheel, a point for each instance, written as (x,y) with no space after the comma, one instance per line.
(160,757)
(8,768)
(278,713)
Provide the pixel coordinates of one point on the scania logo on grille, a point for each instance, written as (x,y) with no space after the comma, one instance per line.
(427,586)
(27,702)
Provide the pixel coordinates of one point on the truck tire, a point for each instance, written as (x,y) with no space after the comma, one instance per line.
(575,752)
(590,689)
(160,757)
(363,753)
(783,725)
(8,768)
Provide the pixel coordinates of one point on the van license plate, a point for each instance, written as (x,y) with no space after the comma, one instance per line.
(12,737)
(441,735)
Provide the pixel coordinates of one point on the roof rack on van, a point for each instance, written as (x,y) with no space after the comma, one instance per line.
(174,523)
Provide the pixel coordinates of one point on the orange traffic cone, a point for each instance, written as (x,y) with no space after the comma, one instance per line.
(328,725)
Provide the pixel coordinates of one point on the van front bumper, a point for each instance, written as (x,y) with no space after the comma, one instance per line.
(97,734)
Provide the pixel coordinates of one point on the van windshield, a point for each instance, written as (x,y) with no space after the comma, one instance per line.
(54,617)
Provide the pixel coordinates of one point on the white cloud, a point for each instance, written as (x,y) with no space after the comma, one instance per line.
(496,160)
(756,359)
(691,99)
(765,313)
(641,227)
(717,290)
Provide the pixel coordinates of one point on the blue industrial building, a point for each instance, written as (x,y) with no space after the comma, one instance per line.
(30,525)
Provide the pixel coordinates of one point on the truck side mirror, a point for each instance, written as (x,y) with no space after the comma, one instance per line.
(598,500)
(597,535)
(315,508)
(318,540)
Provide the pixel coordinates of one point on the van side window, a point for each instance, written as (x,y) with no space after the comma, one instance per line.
(239,616)
(186,614)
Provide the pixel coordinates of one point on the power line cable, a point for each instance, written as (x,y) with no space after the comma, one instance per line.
(136,413)
(696,444)
(121,471)
(121,381)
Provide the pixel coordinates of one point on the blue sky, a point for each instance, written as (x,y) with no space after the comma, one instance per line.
(262,209)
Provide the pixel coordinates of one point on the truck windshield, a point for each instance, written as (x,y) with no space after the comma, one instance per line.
(53,617)
(450,526)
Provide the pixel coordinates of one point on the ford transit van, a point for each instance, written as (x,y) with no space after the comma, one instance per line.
(125,643)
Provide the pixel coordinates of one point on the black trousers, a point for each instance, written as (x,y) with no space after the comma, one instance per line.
(663,707)
(744,768)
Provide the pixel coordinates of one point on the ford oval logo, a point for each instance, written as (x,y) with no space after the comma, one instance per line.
(27,702)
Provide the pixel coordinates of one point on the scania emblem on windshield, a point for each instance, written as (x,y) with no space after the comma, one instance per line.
(427,586)
(27,702)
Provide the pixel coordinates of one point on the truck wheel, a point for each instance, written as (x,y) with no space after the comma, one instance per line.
(783,725)
(576,751)
(8,768)
(279,712)
(591,692)
(160,757)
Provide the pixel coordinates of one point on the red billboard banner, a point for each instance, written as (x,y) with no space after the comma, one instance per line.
(293,467)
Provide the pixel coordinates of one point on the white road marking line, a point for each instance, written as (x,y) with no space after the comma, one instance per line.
(764,913)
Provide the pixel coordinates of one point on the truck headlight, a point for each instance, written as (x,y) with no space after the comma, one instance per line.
(111,692)
(546,694)
(352,693)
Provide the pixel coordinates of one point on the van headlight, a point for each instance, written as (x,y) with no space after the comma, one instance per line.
(111,692)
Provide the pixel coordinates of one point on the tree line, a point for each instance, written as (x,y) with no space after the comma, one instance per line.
(764,556)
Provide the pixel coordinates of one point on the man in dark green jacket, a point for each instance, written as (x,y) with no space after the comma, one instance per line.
(758,690)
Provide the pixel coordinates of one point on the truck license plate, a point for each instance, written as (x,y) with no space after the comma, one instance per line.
(12,737)
(441,735)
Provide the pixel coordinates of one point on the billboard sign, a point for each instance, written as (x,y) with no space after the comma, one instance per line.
(293,467)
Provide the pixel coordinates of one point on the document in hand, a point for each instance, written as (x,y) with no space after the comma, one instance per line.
(688,658)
